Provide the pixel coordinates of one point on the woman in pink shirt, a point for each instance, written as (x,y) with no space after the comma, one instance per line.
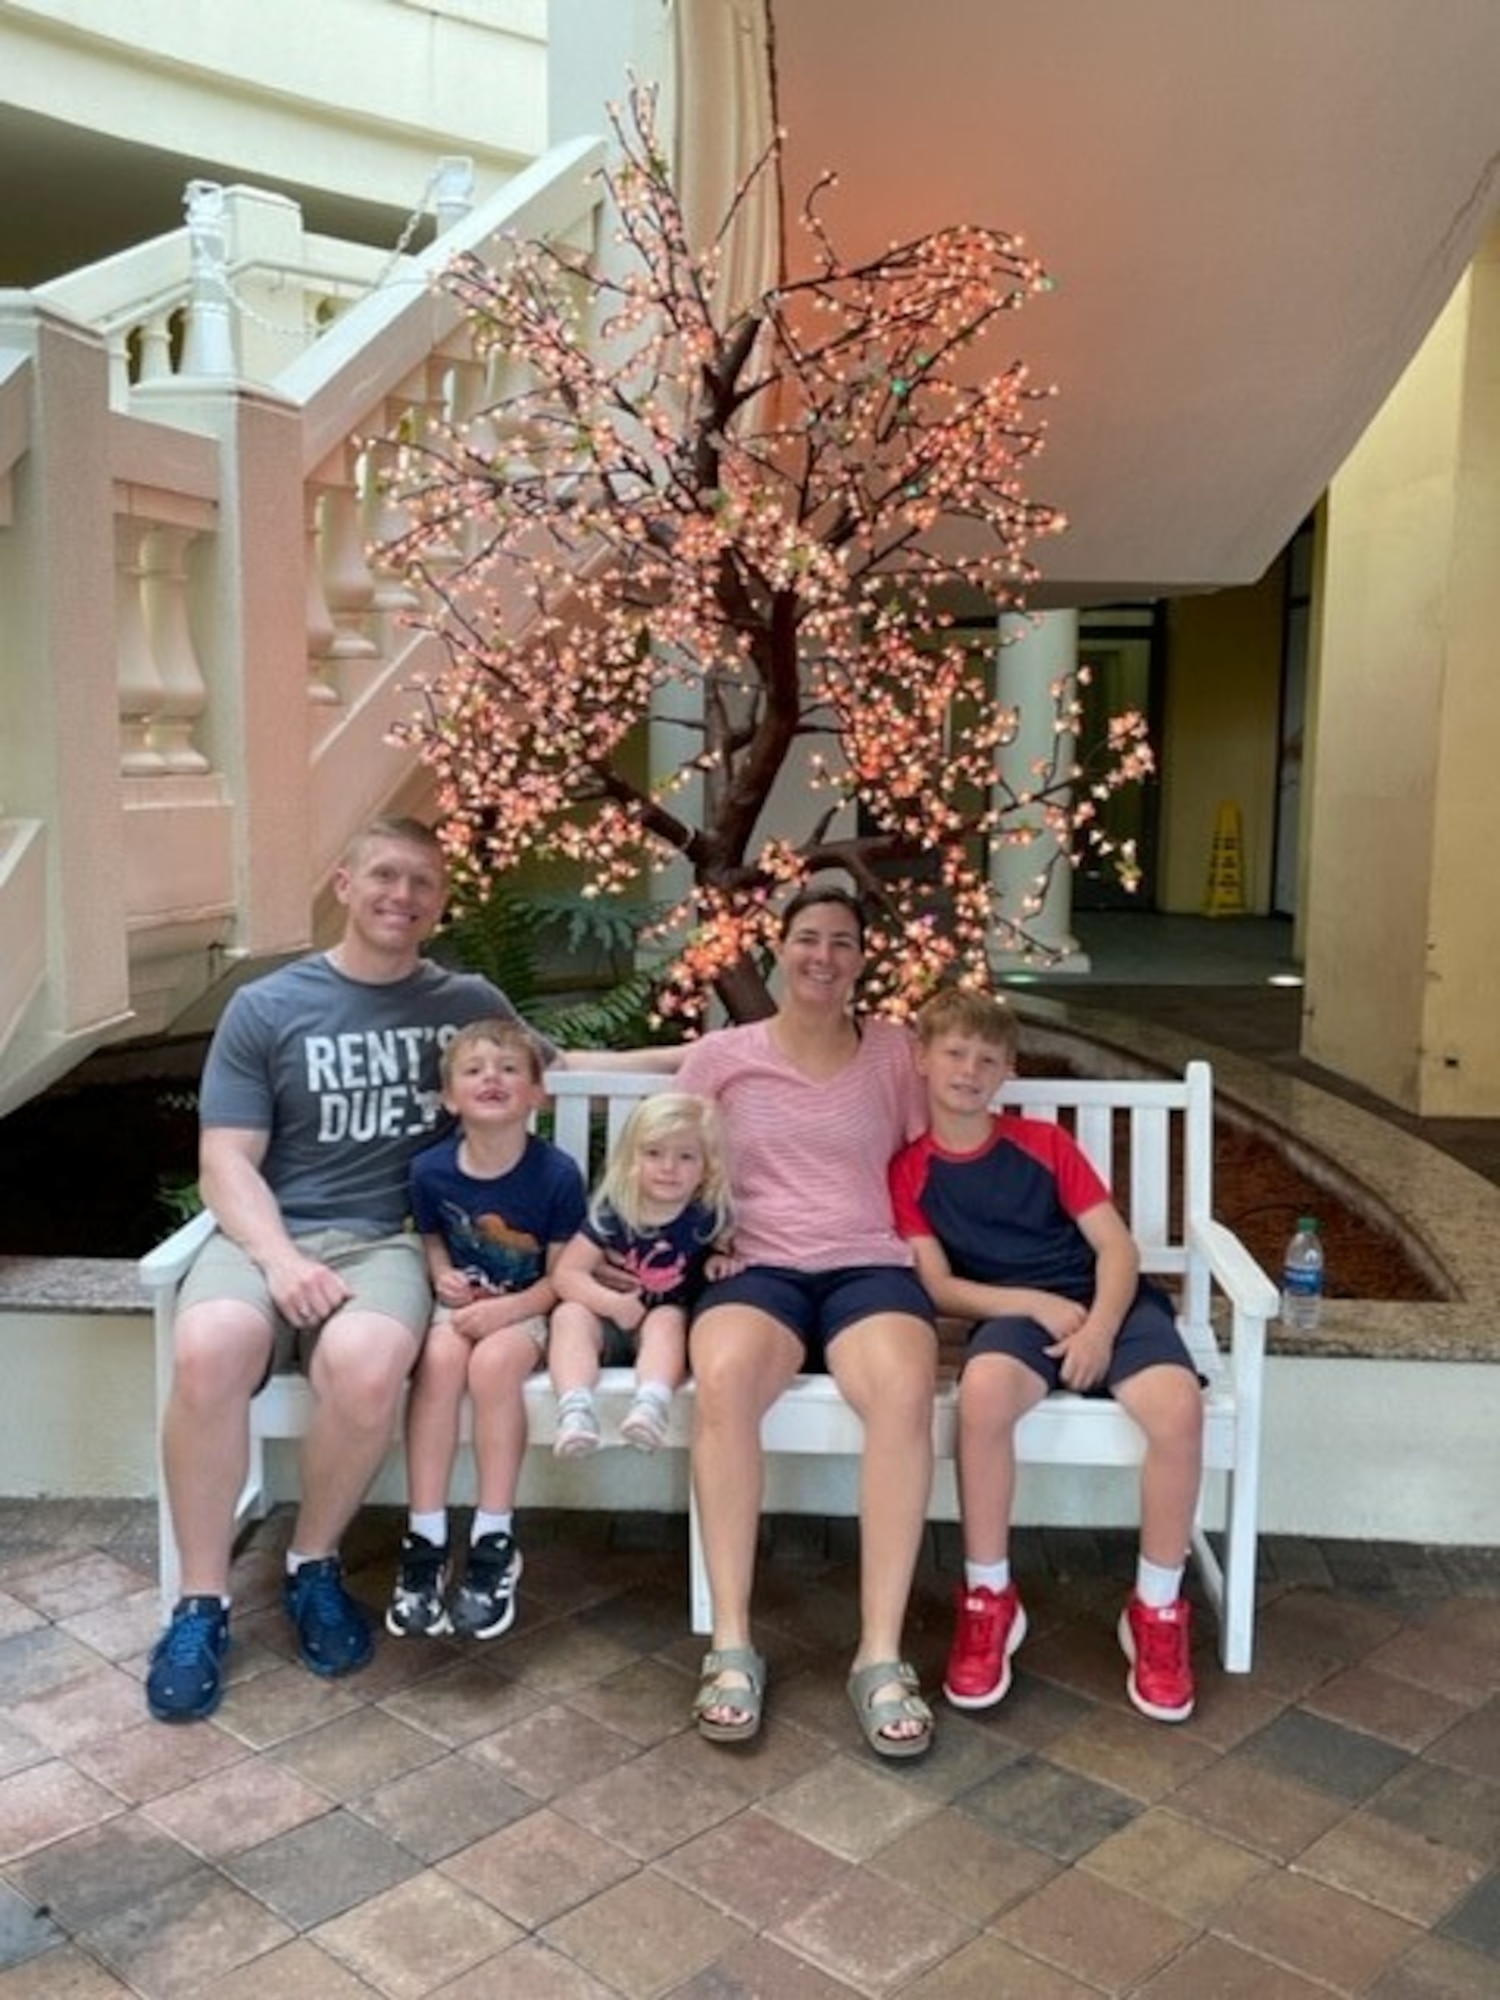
(815,1101)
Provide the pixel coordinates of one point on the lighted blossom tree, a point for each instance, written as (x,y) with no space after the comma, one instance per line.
(777,516)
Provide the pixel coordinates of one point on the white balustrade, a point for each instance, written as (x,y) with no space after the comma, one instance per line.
(164,593)
(321,630)
(185,583)
(474,431)
(154,346)
(117,343)
(348,586)
(385,521)
(519,437)
(1028,863)
(139,680)
(433,429)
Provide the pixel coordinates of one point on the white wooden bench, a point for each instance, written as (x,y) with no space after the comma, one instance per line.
(1152,1140)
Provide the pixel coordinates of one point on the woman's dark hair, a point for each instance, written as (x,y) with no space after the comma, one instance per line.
(825,892)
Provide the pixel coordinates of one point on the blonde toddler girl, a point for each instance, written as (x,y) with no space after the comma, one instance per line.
(657,1227)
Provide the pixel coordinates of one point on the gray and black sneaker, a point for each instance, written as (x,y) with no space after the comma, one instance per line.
(416,1608)
(485,1604)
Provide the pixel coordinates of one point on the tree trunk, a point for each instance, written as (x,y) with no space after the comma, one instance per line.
(744,992)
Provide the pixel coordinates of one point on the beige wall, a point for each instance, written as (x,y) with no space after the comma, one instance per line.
(1403,922)
(1220,737)
(1459,1059)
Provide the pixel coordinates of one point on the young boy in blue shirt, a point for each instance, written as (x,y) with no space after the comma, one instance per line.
(494,1206)
(1013,1229)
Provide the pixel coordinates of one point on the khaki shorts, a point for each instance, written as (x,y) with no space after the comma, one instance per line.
(536,1328)
(386,1274)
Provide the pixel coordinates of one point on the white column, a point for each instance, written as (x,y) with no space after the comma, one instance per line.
(675,738)
(1023,869)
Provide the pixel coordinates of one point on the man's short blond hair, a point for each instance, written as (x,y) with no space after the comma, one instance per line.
(959,1010)
(394,826)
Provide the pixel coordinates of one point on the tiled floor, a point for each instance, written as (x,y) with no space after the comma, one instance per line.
(536,1817)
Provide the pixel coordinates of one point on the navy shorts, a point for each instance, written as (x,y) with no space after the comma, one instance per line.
(816,1306)
(1148,1338)
(617,1345)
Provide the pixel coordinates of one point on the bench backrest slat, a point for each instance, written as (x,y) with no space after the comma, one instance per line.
(1094,1129)
(589,1109)
(1150,1174)
(1151,1141)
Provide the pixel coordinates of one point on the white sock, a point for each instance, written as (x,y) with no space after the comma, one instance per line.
(1156,1586)
(987,1576)
(659,1392)
(489,1524)
(431,1527)
(295,1559)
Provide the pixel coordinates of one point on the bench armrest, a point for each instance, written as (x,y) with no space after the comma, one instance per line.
(162,1267)
(1232,1268)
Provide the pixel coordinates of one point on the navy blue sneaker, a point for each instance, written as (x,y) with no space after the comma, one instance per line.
(185,1679)
(332,1631)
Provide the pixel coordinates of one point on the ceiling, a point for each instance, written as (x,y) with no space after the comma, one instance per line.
(1253,211)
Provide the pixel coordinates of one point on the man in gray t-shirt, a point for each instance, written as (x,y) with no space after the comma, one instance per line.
(321,1083)
(342,1077)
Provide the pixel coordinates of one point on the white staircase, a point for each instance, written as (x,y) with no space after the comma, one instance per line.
(201,660)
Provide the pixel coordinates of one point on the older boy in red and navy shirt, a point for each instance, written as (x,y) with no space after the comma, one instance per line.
(1013,1229)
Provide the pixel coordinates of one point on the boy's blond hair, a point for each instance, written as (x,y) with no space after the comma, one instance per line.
(959,1010)
(512,1036)
(655,1118)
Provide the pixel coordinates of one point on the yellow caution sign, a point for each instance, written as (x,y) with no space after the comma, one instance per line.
(1226,866)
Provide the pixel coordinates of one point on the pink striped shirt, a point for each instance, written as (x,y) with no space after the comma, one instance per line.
(808,1159)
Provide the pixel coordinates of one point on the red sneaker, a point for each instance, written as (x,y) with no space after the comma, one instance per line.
(991,1624)
(1155,1641)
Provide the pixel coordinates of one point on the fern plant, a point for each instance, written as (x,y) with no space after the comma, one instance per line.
(510,938)
(500,939)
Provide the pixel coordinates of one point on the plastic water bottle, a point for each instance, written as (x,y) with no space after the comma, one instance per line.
(1302,1278)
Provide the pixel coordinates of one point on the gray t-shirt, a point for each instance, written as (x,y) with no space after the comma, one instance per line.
(344,1077)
